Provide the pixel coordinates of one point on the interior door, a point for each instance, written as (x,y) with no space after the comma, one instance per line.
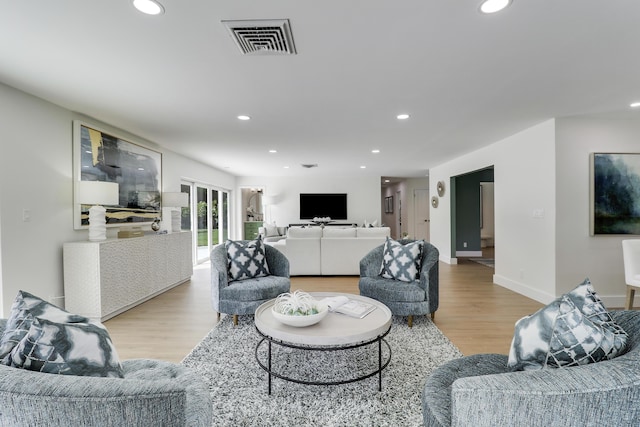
(421,214)
(399,213)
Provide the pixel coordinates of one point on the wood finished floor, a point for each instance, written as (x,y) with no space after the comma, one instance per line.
(475,314)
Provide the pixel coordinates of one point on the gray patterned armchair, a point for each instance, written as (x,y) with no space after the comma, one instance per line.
(416,298)
(480,390)
(152,393)
(244,296)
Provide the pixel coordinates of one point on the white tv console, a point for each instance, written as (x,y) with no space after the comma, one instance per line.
(103,279)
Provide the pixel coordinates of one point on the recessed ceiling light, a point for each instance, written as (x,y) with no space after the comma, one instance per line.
(493,6)
(375,151)
(634,105)
(286,167)
(243,117)
(150,7)
(273,151)
(402,116)
(363,167)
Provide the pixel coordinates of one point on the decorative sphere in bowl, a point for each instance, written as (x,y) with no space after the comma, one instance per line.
(301,320)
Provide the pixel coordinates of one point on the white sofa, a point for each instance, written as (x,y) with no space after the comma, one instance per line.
(315,251)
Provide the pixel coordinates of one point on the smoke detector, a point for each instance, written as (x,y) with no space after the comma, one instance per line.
(262,36)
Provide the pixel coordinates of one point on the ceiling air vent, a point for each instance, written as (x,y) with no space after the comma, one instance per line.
(262,37)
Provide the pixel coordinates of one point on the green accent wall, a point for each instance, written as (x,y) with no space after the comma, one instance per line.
(467,210)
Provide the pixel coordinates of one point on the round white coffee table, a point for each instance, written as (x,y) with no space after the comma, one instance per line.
(333,333)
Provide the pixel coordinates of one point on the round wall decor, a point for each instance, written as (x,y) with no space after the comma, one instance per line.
(434,201)
(440,187)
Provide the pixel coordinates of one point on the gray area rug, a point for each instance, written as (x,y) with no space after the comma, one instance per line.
(226,360)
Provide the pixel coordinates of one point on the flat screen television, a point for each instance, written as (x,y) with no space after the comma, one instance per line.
(333,205)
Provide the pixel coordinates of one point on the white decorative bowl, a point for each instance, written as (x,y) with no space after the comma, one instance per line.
(301,321)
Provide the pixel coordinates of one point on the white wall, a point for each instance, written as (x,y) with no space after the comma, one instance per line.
(524,173)
(36,174)
(176,168)
(580,255)
(363,195)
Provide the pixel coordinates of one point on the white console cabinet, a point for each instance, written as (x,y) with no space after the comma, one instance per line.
(103,279)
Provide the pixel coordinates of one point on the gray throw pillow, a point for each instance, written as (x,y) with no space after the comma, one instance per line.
(270,230)
(575,329)
(401,262)
(246,260)
(80,348)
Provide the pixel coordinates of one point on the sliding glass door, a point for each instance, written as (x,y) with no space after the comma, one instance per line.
(203,209)
(208,218)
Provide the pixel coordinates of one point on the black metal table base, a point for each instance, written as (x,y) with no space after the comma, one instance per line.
(271,373)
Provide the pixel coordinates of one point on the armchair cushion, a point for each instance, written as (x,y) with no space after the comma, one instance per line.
(383,289)
(261,288)
(575,329)
(401,261)
(247,260)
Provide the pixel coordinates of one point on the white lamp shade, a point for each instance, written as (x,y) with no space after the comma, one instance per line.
(97,193)
(268,199)
(175,200)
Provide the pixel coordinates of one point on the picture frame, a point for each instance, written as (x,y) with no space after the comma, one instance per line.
(100,155)
(388,204)
(614,197)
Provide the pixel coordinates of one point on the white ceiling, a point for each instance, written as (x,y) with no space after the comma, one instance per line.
(467,79)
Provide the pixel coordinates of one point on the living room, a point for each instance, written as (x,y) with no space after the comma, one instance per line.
(543,166)
(542,190)
(536,168)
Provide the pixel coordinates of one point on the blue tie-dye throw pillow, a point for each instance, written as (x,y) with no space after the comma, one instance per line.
(575,329)
(42,337)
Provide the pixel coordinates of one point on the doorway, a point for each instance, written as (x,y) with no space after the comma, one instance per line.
(421,216)
(207,217)
(252,205)
(472,213)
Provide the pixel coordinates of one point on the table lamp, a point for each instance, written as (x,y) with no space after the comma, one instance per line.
(97,193)
(175,200)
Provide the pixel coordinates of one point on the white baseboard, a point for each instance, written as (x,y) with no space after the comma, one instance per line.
(448,260)
(523,289)
(469,253)
(611,302)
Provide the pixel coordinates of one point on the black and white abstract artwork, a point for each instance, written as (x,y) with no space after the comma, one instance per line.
(615,193)
(99,156)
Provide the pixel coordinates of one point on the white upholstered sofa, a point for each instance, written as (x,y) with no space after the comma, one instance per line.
(315,251)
